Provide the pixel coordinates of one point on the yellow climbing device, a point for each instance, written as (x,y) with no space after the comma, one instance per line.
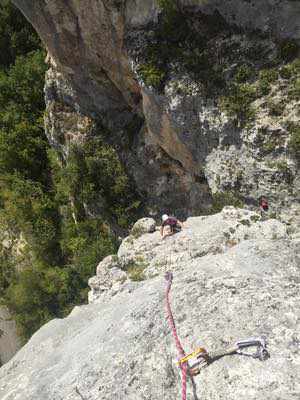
(200,351)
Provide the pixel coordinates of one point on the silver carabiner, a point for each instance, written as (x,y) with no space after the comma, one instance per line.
(261,344)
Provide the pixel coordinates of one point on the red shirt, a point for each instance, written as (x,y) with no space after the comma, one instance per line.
(264,204)
(171,221)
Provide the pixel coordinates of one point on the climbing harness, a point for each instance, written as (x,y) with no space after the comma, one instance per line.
(192,363)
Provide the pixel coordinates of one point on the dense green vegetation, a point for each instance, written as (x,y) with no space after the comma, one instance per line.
(50,243)
(16,36)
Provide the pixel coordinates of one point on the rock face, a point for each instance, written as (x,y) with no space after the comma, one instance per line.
(146,255)
(10,343)
(239,279)
(162,79)
(144,225)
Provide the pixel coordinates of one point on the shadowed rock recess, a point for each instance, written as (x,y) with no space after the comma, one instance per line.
(197,97)
(235,276)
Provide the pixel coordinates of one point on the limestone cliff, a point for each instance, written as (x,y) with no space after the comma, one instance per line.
(198,97)
(235,276)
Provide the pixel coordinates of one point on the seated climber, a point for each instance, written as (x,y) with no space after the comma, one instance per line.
(263,206)
(169,226)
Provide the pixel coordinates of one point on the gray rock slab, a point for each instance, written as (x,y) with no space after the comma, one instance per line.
(122,348)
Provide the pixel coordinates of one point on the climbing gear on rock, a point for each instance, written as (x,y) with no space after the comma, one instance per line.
(260,342)
(201,358)
(192,363)
(199,352)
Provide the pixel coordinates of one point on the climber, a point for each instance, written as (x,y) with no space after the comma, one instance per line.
(263,206)
(169,226)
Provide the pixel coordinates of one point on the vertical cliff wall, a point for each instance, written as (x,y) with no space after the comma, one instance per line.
(197,97)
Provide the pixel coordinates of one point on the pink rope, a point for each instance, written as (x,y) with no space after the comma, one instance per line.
(183,366)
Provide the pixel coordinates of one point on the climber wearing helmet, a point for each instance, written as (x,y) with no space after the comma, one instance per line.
(169,226)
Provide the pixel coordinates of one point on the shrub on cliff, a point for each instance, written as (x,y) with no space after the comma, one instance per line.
(237,103)
(294,144)
(93,175)
(226,198)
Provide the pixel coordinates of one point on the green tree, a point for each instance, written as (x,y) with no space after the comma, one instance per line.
(39,294)
(17,37)
(23,145)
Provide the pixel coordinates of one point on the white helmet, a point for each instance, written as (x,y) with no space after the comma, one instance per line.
(164,217)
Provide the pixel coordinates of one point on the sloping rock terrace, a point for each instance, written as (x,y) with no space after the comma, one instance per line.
(234,276)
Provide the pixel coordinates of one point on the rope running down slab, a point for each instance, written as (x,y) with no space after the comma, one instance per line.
(181,353)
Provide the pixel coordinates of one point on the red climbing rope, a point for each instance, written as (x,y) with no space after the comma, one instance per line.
(183,366)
